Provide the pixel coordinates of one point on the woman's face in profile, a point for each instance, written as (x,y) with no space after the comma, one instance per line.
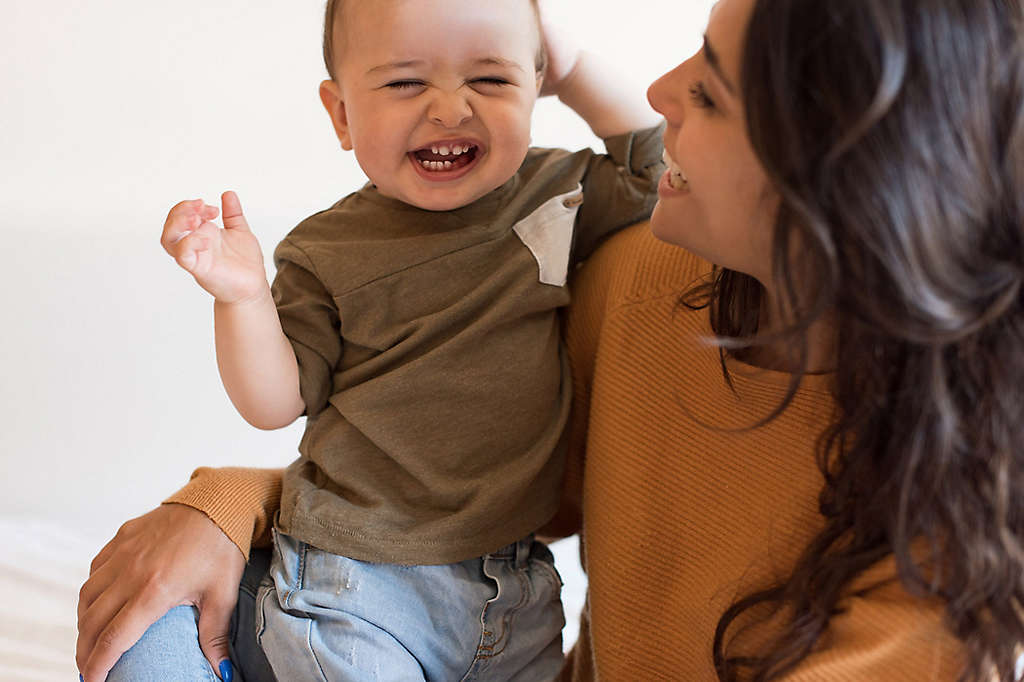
(719,204)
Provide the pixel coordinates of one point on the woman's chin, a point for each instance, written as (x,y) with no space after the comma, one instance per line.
(668,226)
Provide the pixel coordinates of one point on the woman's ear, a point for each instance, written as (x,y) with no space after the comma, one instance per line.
(330,95)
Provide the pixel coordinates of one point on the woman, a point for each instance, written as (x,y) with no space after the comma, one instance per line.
(830,491)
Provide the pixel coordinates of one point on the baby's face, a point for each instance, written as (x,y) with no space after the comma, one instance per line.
(436,95)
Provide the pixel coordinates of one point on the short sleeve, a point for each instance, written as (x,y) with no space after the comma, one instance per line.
(309,318)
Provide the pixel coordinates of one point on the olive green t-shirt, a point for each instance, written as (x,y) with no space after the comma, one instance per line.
(430,359)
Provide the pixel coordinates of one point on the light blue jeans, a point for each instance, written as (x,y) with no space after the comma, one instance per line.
(169,650)
(325,617)
(321,616)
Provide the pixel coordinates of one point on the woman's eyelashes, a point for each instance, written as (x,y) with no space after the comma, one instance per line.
(700,97)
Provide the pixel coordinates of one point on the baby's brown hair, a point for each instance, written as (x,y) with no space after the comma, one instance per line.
(336,6)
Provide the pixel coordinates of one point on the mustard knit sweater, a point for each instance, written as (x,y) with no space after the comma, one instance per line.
(682,509)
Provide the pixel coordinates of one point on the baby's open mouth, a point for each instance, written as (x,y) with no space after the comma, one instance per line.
(440,158)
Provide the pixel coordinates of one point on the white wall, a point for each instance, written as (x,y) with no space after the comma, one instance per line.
(110,112)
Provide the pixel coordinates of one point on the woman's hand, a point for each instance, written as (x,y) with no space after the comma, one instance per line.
(173,555)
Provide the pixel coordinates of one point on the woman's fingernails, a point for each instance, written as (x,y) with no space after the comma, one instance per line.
(227,673)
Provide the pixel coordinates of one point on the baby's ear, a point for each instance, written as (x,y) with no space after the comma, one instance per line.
(330,95)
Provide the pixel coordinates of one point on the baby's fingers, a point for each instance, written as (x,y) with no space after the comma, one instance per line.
(187,249)
(234,219)
(183,219)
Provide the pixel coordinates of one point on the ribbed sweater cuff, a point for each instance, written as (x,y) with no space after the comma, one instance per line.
(240,501)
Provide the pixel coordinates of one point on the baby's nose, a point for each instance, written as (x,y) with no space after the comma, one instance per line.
(449,110)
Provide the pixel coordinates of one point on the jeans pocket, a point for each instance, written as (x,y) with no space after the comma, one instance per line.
(522,623)
(266,591)
(542,561)
(277,573)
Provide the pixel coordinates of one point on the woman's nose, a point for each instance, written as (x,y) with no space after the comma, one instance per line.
(667,92)
(449,109)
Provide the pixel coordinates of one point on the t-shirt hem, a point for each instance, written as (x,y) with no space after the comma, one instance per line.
(387,548)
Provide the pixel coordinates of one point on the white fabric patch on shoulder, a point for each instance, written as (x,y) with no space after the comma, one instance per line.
(547,232)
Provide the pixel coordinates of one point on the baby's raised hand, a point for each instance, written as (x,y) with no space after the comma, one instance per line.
(227,262)
(563,54)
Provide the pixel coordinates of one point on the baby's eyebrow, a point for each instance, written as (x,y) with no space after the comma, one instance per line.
(499,61)
(482,61)
(392,66)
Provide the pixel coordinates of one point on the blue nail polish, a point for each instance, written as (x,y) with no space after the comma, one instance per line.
(80,678)
(227,673)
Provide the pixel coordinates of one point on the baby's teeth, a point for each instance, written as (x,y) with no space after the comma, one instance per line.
(436,165)
(453,149)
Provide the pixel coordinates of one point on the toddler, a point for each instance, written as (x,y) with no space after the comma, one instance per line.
(415,324)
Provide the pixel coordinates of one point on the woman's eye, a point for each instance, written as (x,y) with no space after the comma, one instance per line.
(700,97)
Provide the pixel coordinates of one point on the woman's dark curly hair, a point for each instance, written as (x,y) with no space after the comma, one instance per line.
(893,131)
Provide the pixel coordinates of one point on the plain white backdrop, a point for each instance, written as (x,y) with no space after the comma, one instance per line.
(111,111)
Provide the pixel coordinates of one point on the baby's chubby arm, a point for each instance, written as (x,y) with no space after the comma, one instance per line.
(602,97)
(256,361)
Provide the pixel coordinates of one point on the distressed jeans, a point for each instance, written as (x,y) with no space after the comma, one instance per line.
(321,616)
(325,617)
